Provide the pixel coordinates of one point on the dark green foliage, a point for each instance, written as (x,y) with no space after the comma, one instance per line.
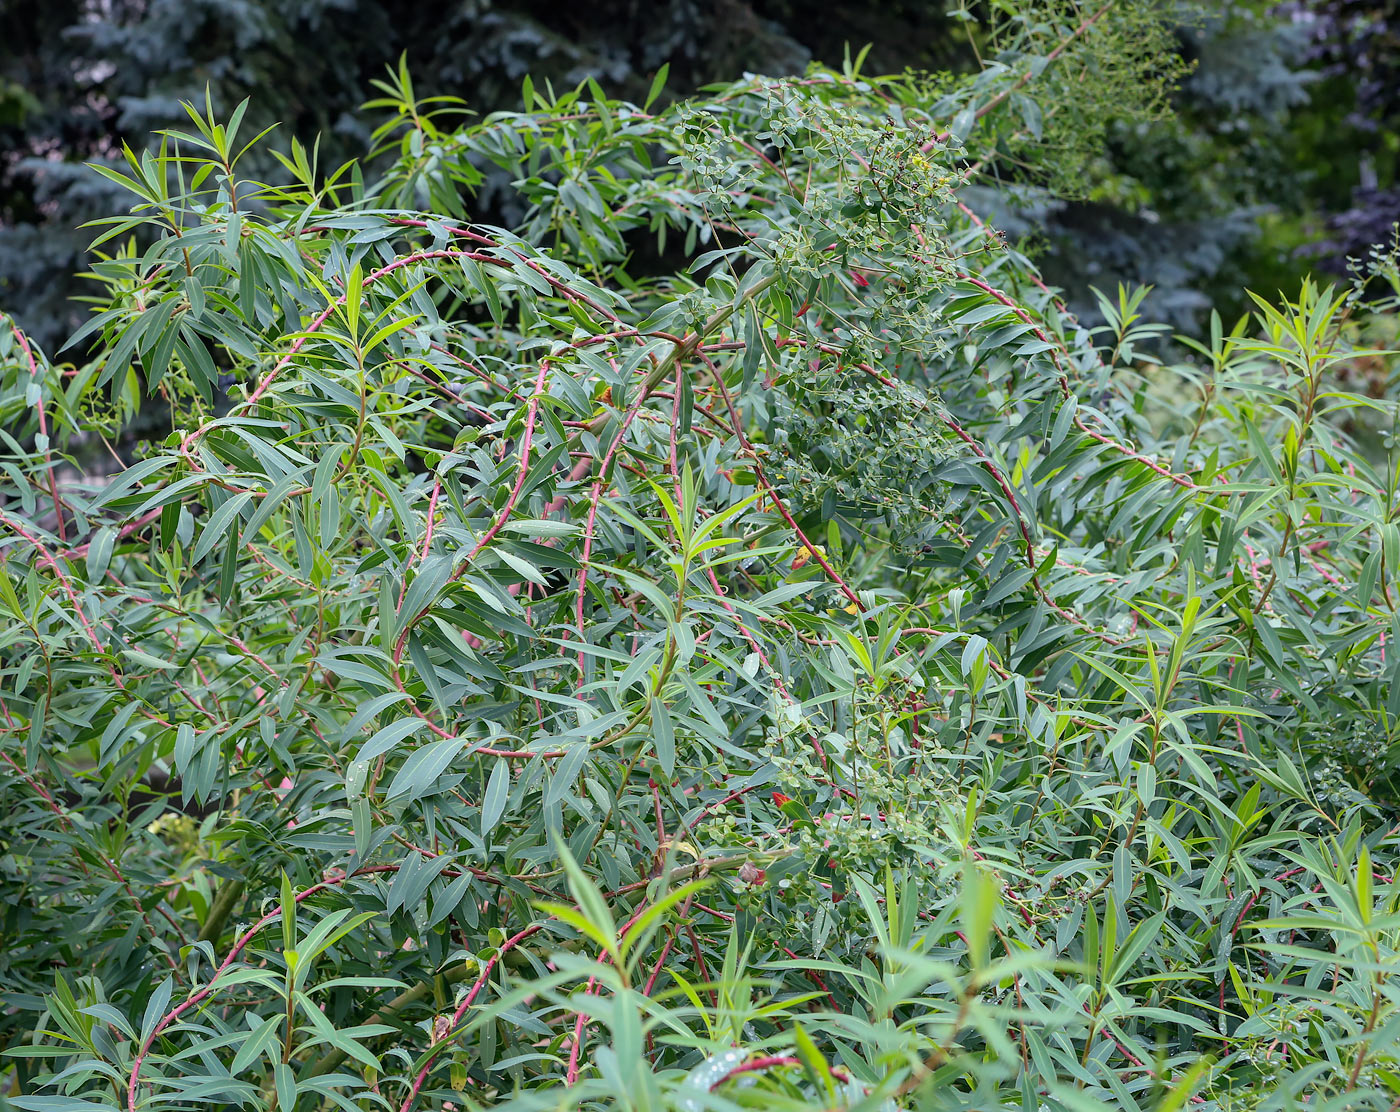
(1356,45)
(1174,201)
(821,675)
(78,80)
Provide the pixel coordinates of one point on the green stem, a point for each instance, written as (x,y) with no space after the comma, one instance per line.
(224,902)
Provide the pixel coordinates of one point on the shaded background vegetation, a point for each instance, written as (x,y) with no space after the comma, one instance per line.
(1280,154)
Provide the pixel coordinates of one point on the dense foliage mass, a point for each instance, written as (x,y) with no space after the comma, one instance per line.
(78,79)
(1196,204)
(825,677)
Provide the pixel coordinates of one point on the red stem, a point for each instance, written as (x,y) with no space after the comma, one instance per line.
(43,428)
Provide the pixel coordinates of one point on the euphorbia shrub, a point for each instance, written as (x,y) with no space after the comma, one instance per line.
(821,675)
